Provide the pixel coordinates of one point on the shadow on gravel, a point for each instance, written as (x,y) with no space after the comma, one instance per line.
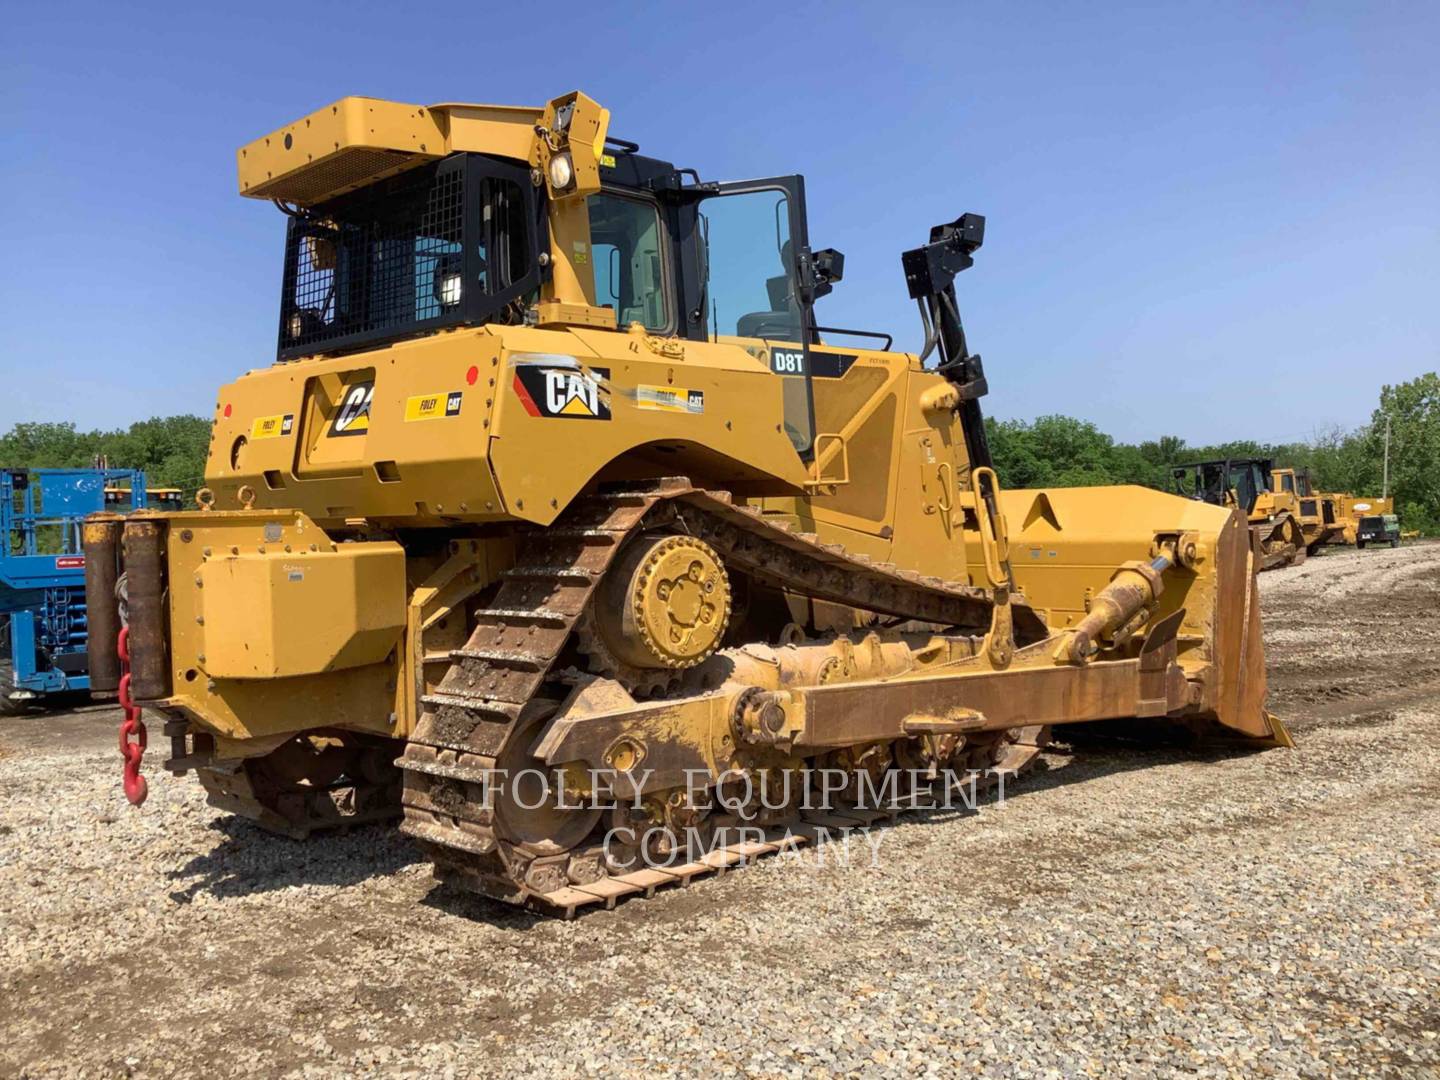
(1154,743)
(1089,756)
(472,907)
(1093,755)
(250,860)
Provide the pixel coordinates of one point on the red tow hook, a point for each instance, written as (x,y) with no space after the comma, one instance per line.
(135,787)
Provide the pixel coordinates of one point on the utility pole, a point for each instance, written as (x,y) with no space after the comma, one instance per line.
(1385,477)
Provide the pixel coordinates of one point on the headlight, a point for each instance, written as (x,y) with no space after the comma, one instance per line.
(450,289)
(297,325)
(562,171)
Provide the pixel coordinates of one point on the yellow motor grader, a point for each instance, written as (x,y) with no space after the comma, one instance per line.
(562,517)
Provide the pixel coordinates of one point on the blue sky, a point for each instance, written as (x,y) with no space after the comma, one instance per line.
(1186,204)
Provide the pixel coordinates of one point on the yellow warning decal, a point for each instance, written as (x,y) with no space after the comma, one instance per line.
(670,399)
(607,160)
(272,427)
(433,406)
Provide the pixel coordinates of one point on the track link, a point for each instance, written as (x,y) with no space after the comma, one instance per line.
(297,801)
(805,829)
(480,707)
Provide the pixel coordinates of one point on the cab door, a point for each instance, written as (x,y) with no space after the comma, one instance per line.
(752,251)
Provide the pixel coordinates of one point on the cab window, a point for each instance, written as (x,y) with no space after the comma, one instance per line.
(750,288)
(503,252)
(627,259)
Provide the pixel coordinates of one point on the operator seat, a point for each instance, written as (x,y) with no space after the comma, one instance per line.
(782,322)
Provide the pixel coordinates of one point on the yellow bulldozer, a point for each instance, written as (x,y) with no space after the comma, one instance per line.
(1248,485)
(562,528)
(1316,511)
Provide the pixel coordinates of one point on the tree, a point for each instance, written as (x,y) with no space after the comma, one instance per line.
(46,446)
(170,449)
(1061,451)
(1413,409)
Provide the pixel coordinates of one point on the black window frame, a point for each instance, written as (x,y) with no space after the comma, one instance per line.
(669,264)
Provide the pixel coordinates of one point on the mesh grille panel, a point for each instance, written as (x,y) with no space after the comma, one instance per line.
(386,257)
(315,183)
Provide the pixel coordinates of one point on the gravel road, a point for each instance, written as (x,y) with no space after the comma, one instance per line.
(1146,912)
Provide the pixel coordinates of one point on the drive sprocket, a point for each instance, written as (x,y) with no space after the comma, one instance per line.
(663,609)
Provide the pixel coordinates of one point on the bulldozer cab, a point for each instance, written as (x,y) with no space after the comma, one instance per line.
(1295,482)
(1224,481)
(475,236)
(726,262)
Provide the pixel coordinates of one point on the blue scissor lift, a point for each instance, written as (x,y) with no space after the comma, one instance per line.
(43,636)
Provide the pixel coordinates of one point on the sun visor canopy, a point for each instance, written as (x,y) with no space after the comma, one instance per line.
(357,141)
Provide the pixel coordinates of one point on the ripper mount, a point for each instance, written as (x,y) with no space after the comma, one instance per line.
(930,276)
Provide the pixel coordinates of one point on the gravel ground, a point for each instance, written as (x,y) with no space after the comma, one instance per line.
(1179,912)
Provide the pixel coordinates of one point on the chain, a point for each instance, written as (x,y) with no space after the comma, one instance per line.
(135,787)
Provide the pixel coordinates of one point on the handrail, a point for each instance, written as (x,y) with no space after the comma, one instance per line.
(888,338)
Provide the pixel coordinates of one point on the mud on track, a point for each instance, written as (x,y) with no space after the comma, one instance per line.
(1154,911)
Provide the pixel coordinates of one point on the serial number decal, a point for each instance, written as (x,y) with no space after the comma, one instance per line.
(670,399)
(559,388)
(272,427)
(823,365)
(353,416)
(433,406)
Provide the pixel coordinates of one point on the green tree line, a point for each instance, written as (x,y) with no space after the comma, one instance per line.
(1061,451)
(171,449)
(1052,451)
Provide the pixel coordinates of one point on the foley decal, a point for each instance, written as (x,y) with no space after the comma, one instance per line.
(558,387)
(272,427)
(670,399)
(433,406)
(353,416)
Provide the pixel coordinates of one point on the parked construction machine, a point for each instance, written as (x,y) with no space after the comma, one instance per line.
(44,625)
(1246,484)
(1316,511)
(1353,511)
(562,518)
